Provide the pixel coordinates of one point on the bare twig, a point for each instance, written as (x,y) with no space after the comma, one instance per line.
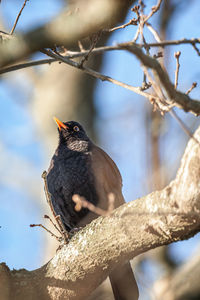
(97,74)
(159,103)
(136,35)
(154,9)
(140,12)
(154,32)
(55,226)
(195,48)
(177,98)
(27,65)
(18,16)
(80,45)
(94,41)
(42,226)
(81,202)
(172,112)
(174,42)
(177,56)
(163,106)
(194,84)
(131,22)
(183,126)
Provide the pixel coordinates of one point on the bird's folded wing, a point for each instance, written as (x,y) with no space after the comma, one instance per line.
(107,178)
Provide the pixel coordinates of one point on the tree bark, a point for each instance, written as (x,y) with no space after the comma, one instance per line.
(157,219)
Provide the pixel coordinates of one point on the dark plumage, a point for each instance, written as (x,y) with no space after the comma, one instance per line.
(70,173)
(80,167)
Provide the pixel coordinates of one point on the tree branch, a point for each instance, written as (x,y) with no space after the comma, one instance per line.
(174,288)
(73,54)
(175,97)
(159,218)
(18,16)
(97,74)
(69,27)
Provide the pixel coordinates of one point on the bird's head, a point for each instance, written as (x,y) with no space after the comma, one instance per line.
(71,133)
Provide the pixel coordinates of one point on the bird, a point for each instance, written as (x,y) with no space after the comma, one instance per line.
(79,167)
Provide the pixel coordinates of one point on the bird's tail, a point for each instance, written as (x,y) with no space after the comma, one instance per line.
(123,283)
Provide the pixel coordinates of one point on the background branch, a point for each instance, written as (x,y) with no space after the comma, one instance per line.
(174,286)
(177,98)
(67,29)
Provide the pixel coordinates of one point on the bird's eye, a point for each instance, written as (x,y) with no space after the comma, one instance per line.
(76,128)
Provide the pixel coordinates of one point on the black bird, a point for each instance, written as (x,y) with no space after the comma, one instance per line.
(80,167)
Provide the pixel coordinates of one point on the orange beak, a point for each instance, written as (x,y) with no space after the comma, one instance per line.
(59,123)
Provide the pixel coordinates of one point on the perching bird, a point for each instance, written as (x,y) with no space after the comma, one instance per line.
(80,167)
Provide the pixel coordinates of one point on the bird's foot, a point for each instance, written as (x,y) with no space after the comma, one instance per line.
(66,236)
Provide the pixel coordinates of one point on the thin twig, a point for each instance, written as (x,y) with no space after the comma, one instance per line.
(196,49)
(172,112)
(136,35)
(154,9)
(177,56)
(163,106)
(141,17)
(154,32)
(55,226)
(183,126)
(174,42)
(80,45)
(94,40)
(131,22)
(157,38)
(97,74)
(81,202)
(159,103)
(42,226)
(177,98)
(27,65)
(194,84)
(17,19)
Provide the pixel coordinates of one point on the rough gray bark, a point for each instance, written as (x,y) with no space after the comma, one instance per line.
(159,218)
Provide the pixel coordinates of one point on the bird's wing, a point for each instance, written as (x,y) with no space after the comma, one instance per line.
(59,195)
(107,178)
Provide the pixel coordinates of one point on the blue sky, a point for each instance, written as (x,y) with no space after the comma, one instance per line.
(121,112)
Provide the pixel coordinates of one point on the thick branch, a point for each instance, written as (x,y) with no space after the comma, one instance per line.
(160,218)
